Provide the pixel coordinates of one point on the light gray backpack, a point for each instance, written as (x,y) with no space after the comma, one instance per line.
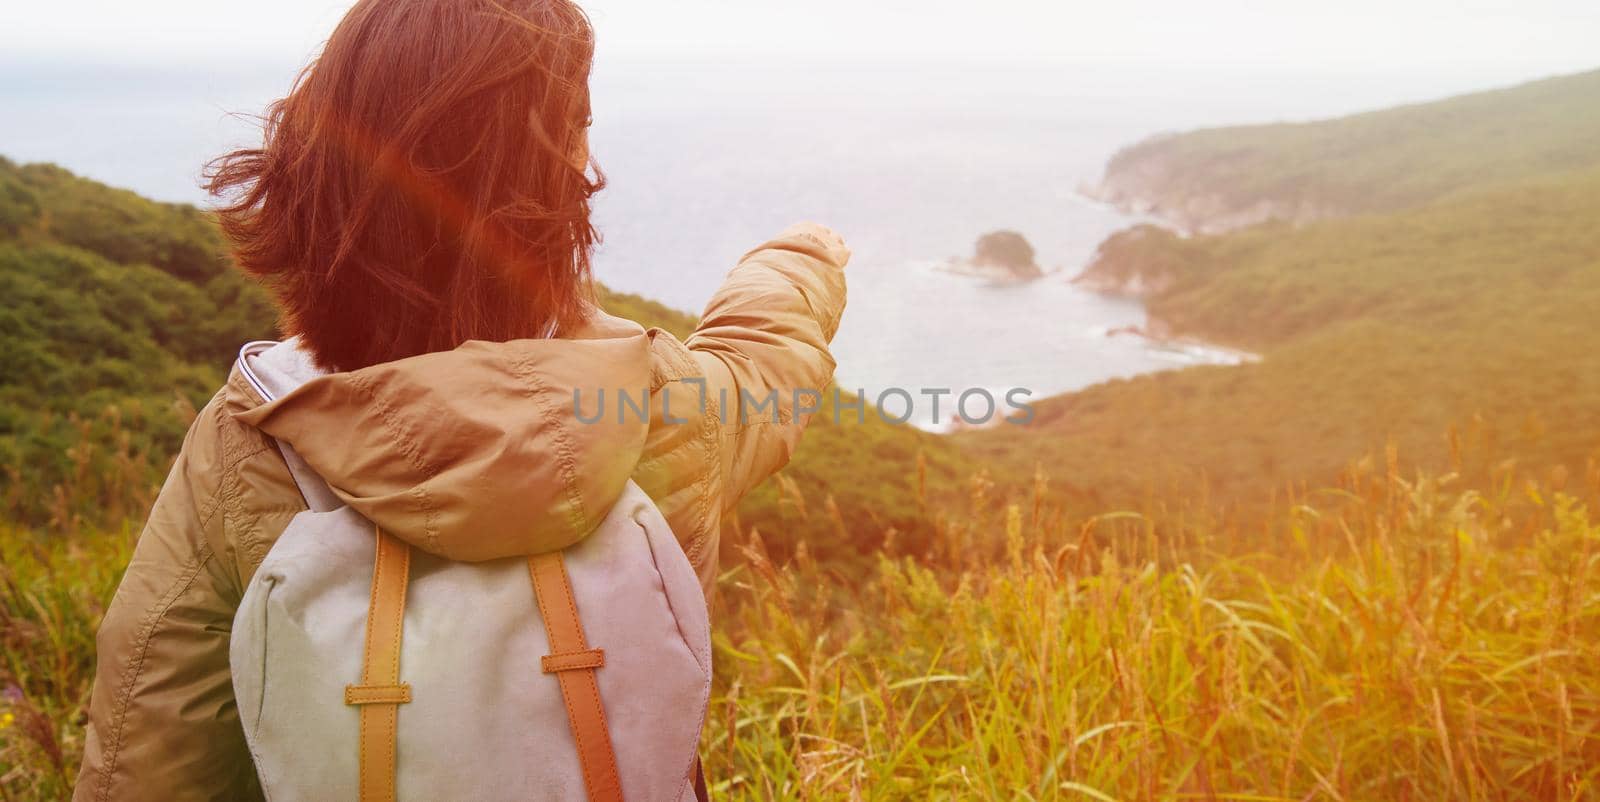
(367,670)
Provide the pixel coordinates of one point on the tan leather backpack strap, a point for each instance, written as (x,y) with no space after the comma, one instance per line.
(574,664)
(381,693)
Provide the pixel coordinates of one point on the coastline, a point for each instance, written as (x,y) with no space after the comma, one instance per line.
(1140,281)
(1141,180)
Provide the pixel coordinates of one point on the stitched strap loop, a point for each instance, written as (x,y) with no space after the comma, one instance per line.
(572,661)
(377,694)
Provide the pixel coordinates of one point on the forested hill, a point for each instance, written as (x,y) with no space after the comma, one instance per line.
(123,315)
(1221,178)
(1461,334)
(1447,326)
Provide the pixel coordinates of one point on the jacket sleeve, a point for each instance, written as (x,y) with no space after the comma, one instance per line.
(762,345)
(163,724)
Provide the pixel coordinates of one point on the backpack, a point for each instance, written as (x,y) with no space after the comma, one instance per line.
(365,669)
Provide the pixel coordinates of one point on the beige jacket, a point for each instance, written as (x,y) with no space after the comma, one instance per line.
(472,454)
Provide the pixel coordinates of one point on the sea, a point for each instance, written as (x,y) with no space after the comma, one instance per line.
(705,158)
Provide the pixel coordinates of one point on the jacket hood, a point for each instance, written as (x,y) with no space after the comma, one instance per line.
(471,454)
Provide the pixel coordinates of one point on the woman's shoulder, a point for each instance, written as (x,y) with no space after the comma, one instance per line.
(239,486)
(670,359)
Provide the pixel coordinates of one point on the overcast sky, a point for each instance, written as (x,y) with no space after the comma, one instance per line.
(1527,36)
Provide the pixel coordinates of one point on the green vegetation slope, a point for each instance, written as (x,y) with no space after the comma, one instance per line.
(1379,161)
(1458,335)
(121,315)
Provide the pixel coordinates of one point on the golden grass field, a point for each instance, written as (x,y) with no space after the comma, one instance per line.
(1412,639)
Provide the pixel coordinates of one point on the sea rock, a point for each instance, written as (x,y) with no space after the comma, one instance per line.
(1001,255)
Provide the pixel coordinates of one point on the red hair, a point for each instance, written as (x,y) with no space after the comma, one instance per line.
(426,181)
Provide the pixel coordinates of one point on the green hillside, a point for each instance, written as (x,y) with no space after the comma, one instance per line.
(1453,332)
(123,315)
(1378,161)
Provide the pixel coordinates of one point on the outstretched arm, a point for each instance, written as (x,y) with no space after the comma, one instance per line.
(764,338)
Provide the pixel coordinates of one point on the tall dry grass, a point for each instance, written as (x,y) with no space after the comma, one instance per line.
(1407,640)
(53,590)
(1412,640)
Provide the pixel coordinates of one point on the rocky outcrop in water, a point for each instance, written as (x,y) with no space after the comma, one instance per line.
(1002,255)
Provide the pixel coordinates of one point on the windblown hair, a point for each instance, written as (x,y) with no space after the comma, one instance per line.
(425,182)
